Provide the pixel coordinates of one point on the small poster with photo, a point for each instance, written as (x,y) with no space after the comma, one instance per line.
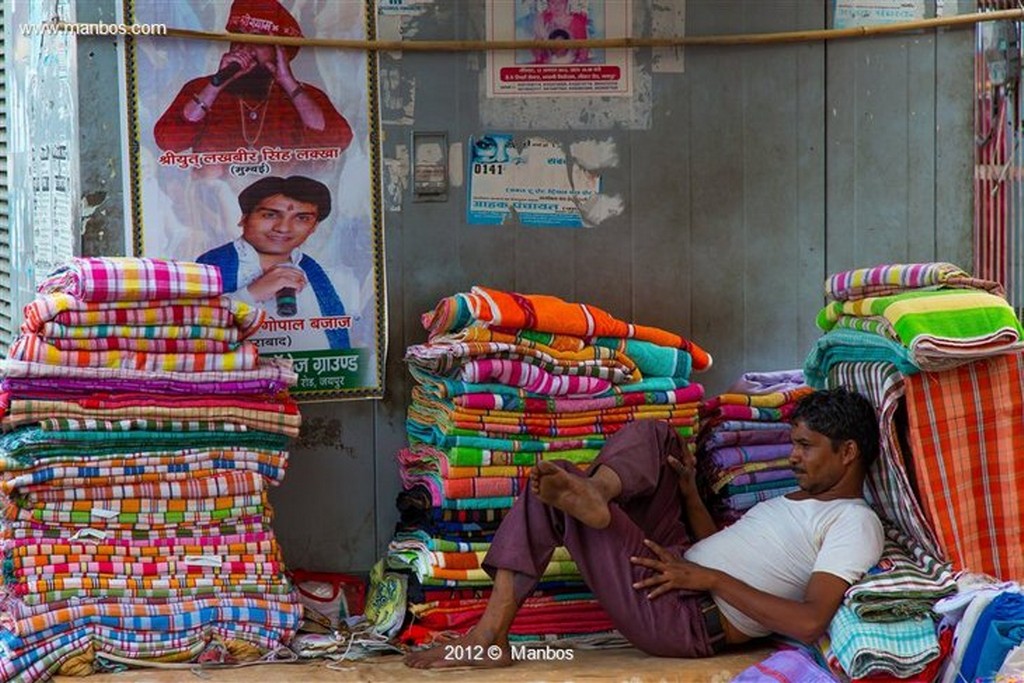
(547,71)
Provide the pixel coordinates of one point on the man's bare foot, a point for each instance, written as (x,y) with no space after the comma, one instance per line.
(575,496)
(472,649)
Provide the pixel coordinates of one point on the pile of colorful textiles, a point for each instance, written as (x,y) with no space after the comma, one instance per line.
(986,620)
(892,327)
(939,354)
(504,381)
(743,446)
(885,629)
(143,432)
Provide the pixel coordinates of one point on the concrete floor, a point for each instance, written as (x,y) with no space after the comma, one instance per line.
(590,665)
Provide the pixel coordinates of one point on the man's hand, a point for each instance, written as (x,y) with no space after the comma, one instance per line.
(686,469)
(672,573)
(244,58)
(281,69)
(266,286)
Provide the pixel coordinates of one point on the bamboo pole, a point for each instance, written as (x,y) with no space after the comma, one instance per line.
(955,21)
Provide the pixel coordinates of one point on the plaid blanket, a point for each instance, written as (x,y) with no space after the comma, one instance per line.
(135,514)
(251,524)
(235,544)
(65,424)
(905,583)
(35,349)
(899,277)
(53,331)
(143,345)
(897,648)
(496,308)
(165,617)
(966,436)
(145,467)
(29,445)
(555,404)
(279,419)
(170,494)
(270,375)
(133,279)
(68,310)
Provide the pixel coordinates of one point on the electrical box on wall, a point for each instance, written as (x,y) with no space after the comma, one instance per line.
(429,167)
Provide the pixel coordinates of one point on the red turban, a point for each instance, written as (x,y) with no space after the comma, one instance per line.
(263,17)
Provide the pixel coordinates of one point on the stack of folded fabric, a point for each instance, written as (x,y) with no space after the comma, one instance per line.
(886,625)
(144,433)
(504,381)
(890,326)
(966,437)
(743,446)
(986,620)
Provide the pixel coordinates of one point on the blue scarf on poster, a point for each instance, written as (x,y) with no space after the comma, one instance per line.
(225,257)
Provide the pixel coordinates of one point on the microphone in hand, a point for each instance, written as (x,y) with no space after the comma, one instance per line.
(225,74)
(286,303)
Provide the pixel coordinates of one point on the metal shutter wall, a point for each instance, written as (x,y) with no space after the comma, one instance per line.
(6,321)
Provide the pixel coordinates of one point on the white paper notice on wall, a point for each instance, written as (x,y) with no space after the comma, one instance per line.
(851,13)
(545,72)
(527,182)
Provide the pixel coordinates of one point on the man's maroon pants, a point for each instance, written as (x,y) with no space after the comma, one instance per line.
(649,506)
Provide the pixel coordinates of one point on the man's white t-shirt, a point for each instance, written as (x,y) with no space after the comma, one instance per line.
(778,544)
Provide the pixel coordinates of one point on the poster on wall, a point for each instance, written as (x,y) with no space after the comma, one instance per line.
(548,72)
(262,159)
(528,181)
(851,13)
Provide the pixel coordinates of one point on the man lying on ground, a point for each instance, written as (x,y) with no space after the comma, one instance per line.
(673,584)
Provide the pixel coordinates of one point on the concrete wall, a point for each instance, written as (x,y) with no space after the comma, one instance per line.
(743,179)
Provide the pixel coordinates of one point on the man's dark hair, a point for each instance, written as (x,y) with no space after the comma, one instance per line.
(841,414)
(297,187)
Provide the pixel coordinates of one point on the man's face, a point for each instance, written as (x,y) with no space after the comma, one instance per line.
(278,224)
(263,54)
(817,466)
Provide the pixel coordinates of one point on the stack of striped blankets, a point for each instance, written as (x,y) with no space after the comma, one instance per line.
(951,344)
(938,353)
(141,434)
(504,381)
(743,446)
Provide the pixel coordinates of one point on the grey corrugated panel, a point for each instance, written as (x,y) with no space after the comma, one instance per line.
(6,322)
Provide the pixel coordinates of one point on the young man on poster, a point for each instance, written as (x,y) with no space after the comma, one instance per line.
(266,267)
(253,100)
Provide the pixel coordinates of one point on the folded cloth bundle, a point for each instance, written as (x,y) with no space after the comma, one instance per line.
(544,313)
(905,583)
(899,277)
(133,279)
(215,311)
(942,325)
